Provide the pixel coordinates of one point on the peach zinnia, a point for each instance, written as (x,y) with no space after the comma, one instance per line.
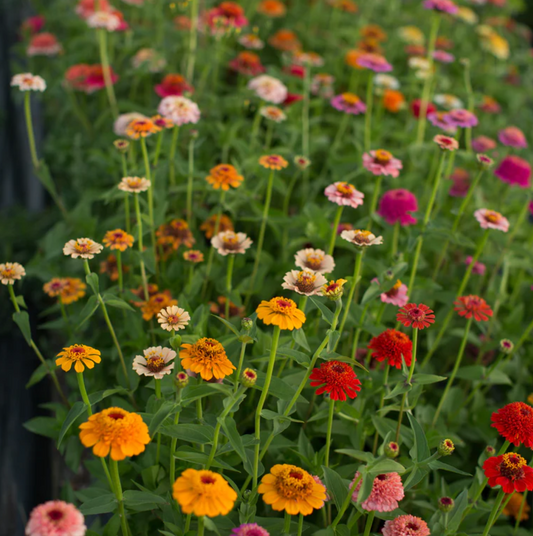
(281,312)
(78,355)
(134,185)
(289,488)
(344,194)
(273,161)
(10,271)
(155,362)
(228,242)
(382,162)
(56,518)
(141,128)
(314,259)
(387,490)
(203,493)
(490,219)
(305,282)
(118,239)
(173,318)
(362,238)
(115,431)
(82,247)
(206,357)
(223,176)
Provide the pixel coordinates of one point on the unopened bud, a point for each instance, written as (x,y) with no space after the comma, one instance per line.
(446,447)
(247,324)
(121,145)
(182,379)
(506,346)
(446,504)
(392,449)
(248,377)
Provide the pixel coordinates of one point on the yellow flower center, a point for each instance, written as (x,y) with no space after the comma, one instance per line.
(345,189)
(83,247)
(314,260)
(294,483)
(155,363)
(8,273)
(382,156)
(350,98)
(306,282)
(282,305)
(512,465)
(492,216)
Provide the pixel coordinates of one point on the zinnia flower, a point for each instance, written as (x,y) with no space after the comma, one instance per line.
(247,63)
(337,379)
(11,271)
(362,239)
(461,118)
(444,6)
(406,525)
(134,185)
(271,8)
(141,128)
(250,529)
(393,346)
(73,290)
(79,355)
(446,143)
(374,62)
(174,234)
(208,226)
(193,255)
(268,88)
(304,282)
(517,506)
(273,113)
(512,137)
(224,17)
(490,219)
(397,295)
(173,85)
(203,493)
(117,431)
(514,422)
(118,239)
(251,41)
(292,489)
(180,110)
(395,206)
(223,176)
(349,103)
(461,182)
(219,308)
(155,303)
(273,161)
(393,100)
(387,490)
(44,44)
(382,162)
(155,362)
(28,82)
(475,306)
(510,471)
(478,269)
(314,259)
(228,242)
(82,247)
(344,194)
(418,316)
(54,287)
(206,357)
(55,518)
(281,312)
(514,170)
(173,318)
(285,40)
(104,20)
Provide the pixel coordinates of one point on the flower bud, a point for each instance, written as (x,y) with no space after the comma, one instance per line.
(484,161)
(446,447)
(248,377)
(490,450)
(506,346)
(181,380)
(392,449)
(446,504)
(334,289)
(175,342)
(194,134)
(302,162)
(247,324)
(121,145)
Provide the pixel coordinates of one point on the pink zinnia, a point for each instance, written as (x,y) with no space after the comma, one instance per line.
(387,490)
(343,193)
(397,295)
(416,108)
(438,119)
(249,529)
(374,62)
(395,206)
(33,24)
(482,144)
(512,137)
(382,162)
(461,118)
(44,44)
(514,170)
(56,518)
(461,182)
(406,526)
(349,103)
(444,6)
(478,269)
(490,219)
(446,143)
(443,56)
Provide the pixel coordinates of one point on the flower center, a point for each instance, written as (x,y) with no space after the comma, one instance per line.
(382,156)
(416,313)
(207,479)
(306,282)
(394,290)
(512,465)
(411,526)
(173,319)
(314,261)
(345,189)
(350,98)
(116,416)
(283,303)
(155,364)
(8,272)
(339,369)
(83,246)
(493,217)
(231,241)
(297,475)
(55,515)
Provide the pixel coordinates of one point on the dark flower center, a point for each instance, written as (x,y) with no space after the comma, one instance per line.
(116,416)
(55,515)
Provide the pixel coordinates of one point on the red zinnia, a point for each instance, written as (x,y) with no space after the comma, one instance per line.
(336,378)
(418,316)
(473,305)
(515,423)
(510,471)
(392,345)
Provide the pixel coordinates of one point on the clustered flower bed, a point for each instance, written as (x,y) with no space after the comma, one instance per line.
(290,267)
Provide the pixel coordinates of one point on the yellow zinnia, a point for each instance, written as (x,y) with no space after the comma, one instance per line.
(79,355)
(281,312)
(206,357)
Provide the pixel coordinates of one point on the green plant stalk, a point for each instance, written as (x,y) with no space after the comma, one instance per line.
(287,523)
(231,262)
(381,403)
(255,127)
(158,148)
(369,523)
(374,202)
(190,181)
(424,101)
(368,113)
(239,367)
(38,353)
(119,270)
(470,94)
(494,513)
(425,222)
(454,371)
(172,155)
(262,230)
(117,488)
(329,428)
(261,403)
(336,222)
(29,128)
(346,503)
(395,237)
(201,521)
(462,287)
(409,378)
(305,111)
(519,516)
(358,331)
(150,195)
(102,41)
(357,271)
(269,133)
(339,136)
(173,443)
(300,524)
(191,60)
(491,369)
(141,248)
(462,210)
(286,205)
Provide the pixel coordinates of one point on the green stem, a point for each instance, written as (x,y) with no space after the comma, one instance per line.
(255,127)
(158,148)
(239,367)
(264,394)
(201,526)
(346,502)
(330,426)
(83,392)
(519,516)
(190,181)
(409,378)
(358,331)
(374,202)
(29,128)
(369,523)
(150,194)
(287,523)
(395,236)
(173,443)
(117,487)
(119,270)
(141,248)
(300,524)
(231,262)
(171,158)
(305,111)
(454,371)
(102,40)
(336,221)
(368,113)
(191,60)
(127,211)
(381,403)
(494,513)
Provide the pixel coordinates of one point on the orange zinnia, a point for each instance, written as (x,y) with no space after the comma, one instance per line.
(273,161)
(272,8)
(393,100)
(118,239)
(78,355)
(208,227)
(117,431)
(285,40)
(73,290)
(142,128)
(206,357)
(352,56)
(281,312)
(155,303)
(223,176)
(175,234)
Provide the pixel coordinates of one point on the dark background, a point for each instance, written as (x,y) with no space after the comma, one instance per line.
(28,463)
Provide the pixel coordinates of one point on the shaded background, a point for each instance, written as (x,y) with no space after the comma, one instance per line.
(29,465)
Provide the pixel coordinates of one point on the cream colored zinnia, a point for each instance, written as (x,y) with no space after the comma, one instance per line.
(228,242)
(304,282)
(10,271)
(82,247)
(155,362)
(134,185)
(173,318)
(362,238)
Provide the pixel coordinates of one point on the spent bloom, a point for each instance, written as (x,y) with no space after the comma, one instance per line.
(155,362)
(80,356)
(392,346)
(281,312)
(206,357)
(314,259)
(28,82)
(55,518)
(344,194)
(173,318)
(304,282)
(387,491)
(490,219)
(396,206)
(11,271)
(382,162)
(349,103)
(361,238)
(82,247)
(473,306)
(203,493)
(514,422)
(418,316)
(180,110)
(268,88)
(406,525)
(337,379)
(515,171)
(229,242)
(510,471)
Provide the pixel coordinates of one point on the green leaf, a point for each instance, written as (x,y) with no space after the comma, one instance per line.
(141,501)
(230,429)
(327,313)
(438,465)
(299,337)
(39,373)
(21,302)
(357,454)
(200,458)
(90,308)
(102,504)
(421,447)
(474,372)
(22,319)
(400,388)
(113,301)
(372,292)
(75,411)
(45,426)
(424,379)
(193,392)
(92,281)
(193,433)
(94,398)
(336,486)
(299,357)
(161,414)
(386,466)
(229,325)
(456,516)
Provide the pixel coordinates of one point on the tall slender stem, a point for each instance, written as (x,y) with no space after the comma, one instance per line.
(102,40)
(191,60)
(141,248)
(369,523)
(494,513)
(374,202)
(119,270)
(29,128)
(150,194)
(368,113)
(115,476)
(409,378)
(172,155)
(346,502)
(174,442)
(328,433)
(190,181)
(334,229)
(305,111)
(381,403)
(231,262)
